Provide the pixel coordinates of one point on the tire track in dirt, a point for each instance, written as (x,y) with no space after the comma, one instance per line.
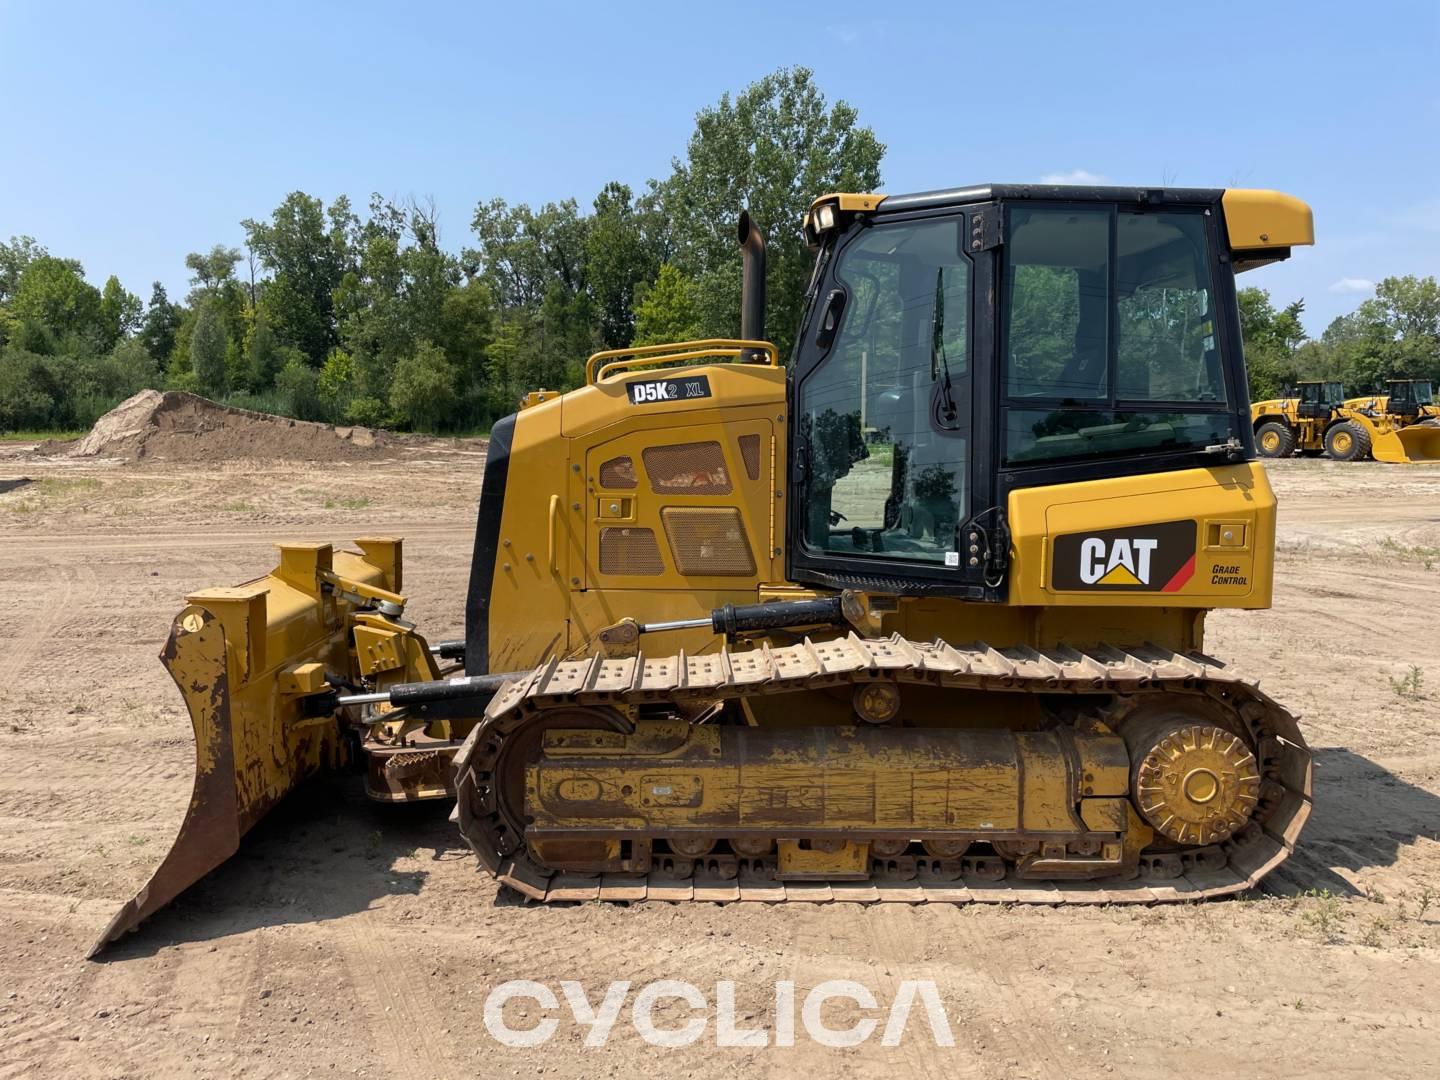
(1035,1050)
(28,637)
(400,1013)
(896,944)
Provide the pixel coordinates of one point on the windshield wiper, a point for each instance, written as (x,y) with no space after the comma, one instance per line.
(938,363)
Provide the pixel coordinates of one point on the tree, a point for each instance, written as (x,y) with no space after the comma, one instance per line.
(667,310)
(15,256)
(53,296)
(210,270)
(207,351)
(623,246)
(773,149)
(308,252)
(524,252)
(119,312)
(262,355)
(157,331)
(1271,338)
(297,386)
(1411,307)
(422,391)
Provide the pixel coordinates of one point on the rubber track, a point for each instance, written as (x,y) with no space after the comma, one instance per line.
(1130,674)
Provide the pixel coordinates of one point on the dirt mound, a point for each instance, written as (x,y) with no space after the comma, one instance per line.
(175,426)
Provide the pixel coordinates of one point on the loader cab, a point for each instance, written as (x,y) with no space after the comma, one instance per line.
(1409,397)
(1317,400)
(960,345)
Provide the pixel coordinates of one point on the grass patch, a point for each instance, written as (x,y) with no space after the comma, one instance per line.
(1423,553)
(39,436)
(360,502)
(38,494)
(240,506)
(65,485)
(1410,686)
(1322,916)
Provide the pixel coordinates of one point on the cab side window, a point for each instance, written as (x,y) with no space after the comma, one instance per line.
(1109,340)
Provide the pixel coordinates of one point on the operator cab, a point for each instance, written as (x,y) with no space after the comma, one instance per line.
(1408,397)
(959,345)
(1317,400)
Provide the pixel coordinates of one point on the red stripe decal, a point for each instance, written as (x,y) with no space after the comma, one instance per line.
(1183,575)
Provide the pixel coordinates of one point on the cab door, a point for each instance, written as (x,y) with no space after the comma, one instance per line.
(891,474)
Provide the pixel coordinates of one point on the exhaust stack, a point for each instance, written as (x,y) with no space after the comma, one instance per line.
(752,291)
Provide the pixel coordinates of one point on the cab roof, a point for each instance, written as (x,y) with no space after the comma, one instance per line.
(1260,223)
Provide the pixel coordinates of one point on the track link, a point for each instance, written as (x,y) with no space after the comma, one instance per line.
(1130,677)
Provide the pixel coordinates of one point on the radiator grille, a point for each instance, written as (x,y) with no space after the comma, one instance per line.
(708,541)
(618,473)
(687,469)
(630,551)
(750,454)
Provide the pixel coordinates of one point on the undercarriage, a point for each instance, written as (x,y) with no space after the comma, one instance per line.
(884,769)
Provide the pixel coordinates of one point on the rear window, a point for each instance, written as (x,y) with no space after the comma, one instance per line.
(1110,343)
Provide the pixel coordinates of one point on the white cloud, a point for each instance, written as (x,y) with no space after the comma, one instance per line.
(843,33)
(1074,176)
(1353,285)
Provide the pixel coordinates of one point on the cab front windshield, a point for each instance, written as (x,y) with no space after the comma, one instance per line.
(884,419)
(1418,392)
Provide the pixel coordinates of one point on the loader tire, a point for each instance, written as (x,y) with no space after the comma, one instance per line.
(1274,439)
(1347,442)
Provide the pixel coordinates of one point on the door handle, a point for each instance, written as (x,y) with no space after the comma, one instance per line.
(553,536)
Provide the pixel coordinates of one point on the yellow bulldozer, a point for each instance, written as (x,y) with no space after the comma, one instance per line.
(918,616)
(1401,425)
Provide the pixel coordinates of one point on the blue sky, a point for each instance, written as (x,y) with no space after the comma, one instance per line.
(135,133)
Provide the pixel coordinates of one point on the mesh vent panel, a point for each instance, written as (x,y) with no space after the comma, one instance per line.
(618,473)
(708,541)
(630,551)
(687,469)
(750,454)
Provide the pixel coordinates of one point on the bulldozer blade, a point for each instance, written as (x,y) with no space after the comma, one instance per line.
(246,660)
(210,833)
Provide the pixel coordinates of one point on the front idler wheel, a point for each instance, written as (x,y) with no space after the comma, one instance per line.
(1194,782)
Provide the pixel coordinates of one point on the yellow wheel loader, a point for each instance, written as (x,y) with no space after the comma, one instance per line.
(1401,425)
(918,616)
(1300,419)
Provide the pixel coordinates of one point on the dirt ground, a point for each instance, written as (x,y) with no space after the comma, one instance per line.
(346,938)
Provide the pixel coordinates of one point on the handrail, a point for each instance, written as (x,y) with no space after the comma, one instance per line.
(621,359)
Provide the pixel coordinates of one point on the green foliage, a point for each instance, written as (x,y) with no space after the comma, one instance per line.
(262,356)
(120,312)
(306,248)
(1410,685)
(422,388)
(211,270)
(15,256)
(668,309)
(207,350)
(1271,340)
(772,148)
(58,308)
(157,330)
(297,386)
(623,247)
